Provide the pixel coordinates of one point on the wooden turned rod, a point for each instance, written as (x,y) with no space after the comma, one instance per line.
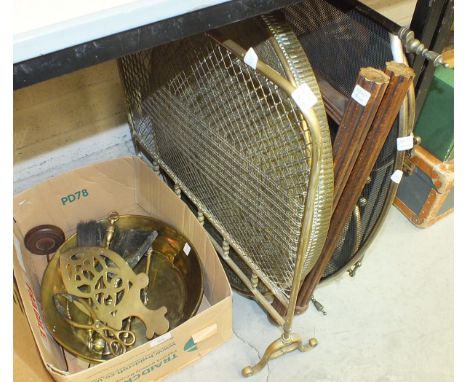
(355,125)
(401,77)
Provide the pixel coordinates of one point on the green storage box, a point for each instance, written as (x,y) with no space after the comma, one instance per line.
(435,123)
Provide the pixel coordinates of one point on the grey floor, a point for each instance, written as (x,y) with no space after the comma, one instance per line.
(392,322)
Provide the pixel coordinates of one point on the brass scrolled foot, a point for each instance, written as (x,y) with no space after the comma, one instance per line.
(248,371)
(276,349)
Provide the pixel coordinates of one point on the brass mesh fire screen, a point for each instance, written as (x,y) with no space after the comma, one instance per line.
(235,141)
(246,147)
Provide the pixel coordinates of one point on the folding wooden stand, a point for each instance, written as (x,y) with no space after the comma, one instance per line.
(401,77)
(363,129)
(355,125)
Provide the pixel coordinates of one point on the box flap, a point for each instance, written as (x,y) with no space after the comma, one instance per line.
(27,365)
(30,293)
(62,198)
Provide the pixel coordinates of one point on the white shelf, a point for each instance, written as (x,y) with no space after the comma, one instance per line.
(42,27)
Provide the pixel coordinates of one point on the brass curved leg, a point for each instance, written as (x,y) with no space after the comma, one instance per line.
(278,348)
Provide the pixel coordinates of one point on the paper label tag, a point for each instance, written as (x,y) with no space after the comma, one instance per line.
(187,248)
(405,143)
(396,176)
(159,340)
(360,95)
(304,97)
(251,58)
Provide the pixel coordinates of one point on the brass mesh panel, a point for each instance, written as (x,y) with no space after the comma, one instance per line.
(235,140)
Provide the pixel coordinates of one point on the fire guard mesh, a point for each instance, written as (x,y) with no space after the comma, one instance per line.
(235,142)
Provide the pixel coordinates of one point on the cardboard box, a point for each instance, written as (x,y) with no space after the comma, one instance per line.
(27,364)
(129,186)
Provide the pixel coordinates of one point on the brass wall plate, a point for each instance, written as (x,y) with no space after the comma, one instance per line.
(175,281)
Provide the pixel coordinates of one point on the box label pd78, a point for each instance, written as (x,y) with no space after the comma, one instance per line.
(70,198)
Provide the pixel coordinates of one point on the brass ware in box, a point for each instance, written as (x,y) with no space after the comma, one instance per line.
(175,282)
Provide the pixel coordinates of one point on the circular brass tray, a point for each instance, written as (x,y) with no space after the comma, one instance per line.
(175,281)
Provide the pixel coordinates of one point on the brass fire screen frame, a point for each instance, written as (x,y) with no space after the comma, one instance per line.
(319,180)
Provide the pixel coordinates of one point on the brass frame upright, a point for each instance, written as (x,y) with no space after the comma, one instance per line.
(288,341)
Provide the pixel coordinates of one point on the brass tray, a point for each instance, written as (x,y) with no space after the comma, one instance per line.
(178,286)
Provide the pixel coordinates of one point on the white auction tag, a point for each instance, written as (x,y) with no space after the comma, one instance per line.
(396,176)
(187,248)
(360,95)
(405,143)
(304,97)
(251,58)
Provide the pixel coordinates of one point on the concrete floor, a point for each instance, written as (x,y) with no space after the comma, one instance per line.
(392,322)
